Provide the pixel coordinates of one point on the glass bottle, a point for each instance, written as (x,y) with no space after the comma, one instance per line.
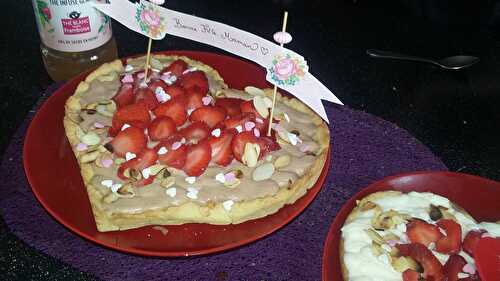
(74,37)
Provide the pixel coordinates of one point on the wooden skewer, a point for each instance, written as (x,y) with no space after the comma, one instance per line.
(146,68)
(285,19)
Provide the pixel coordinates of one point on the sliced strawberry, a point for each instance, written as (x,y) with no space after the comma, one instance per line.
(136,114)
(194,98)
(449,244)
(161,128)
(471,240)
(211,115)
(238,120)
(195,132)
(420,253)
(232,105)
(421,232)
(116,126)
(195,78)
(176,68)
(175,91)
(142,161)
(411,275)
(197,159)
(129,140)
(175,155)
(247,106)
(267,145)
(146,96)
(125,95)
(138,74)
(239,141)
(222,152)
(174,108)
(453,266)
(153,85)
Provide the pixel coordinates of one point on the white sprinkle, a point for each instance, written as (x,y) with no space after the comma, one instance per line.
(442,231)
(128,78)
(216,133)
(125,126)
(431,246)
(228,204)
(294,139)
(192,193)
(143,84)
(107,183)
(128,68)
(287,118)
(176,145)
(256,132)
(81,147)
(183,140)
(239,128)
(401,227)
(129,156)
(249,125)
(469,268)
(220,178)
(461,275)
(161,95)
(162,150)
(115,187)
(190,180)
(190,110)
(171,192)
(168,78)
(259,120)
(146,173)
(206,100)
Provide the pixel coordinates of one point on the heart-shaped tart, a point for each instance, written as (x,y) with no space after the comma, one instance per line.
(179,146)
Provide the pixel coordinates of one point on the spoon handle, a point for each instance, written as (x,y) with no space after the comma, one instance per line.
(391,55)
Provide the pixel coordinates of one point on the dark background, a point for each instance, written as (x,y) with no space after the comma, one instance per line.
(456,114)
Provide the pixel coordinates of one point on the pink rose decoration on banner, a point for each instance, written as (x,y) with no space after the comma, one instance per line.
(149,19)
(287,70)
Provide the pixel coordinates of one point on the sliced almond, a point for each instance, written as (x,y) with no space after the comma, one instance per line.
(368,205)
(375,236)
(376,249)
(79,132)
(91,138)
(111,107)
(119,161)
(261,106)
(254,91)
(156,64)
(126,191)
(388,220)
(232,183)
(103,110)
(167,182)
(156,169)
(136,175)
(282,161)
(251,154)
(263,172)
(111,197)
(89,157)
(107,78)
(103,157)
(401,264)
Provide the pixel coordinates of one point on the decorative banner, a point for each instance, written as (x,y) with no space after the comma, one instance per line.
(285,68)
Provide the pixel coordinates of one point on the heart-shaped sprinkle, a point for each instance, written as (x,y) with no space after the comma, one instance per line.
(469,268)
(98,125)
(129,68)
(168,78)
(107,183)
(229,177)
(190,180)
(259,120)
(304,147)
(206,100)
(294,139)
(189,111)
(287,118)
(115,187)
(128,78)
(106,163)
(162,150)
(141,75)
(216,133)
(183,140)
(249,125)
(81,147)
(220,178)
(125,126)
(228,205)
(239,128)
(171,192)
(392,243)
(256,132)
(146,173)
(176,145)
(161,95)
(192,193)
(129,156)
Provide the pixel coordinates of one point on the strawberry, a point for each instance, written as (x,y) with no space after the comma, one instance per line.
(174,157)
(142,161)
(176,68)
(432,267)
(211,115)
(453,266)
(232,105)
(153,85)
(195,132)
(194,78)
(222,153)
(134,114)
(421,232)
(125,95)
(471,240)
(247,106)
(161,128)
(174,108)
(175,91)
(116,126)
(411,275)
(197,158)
(129,140)
(449,244)
(238,120)
(239,141)
(267,145)
(194,98)
(146,96)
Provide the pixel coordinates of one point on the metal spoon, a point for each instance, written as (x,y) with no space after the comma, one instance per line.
(453,63)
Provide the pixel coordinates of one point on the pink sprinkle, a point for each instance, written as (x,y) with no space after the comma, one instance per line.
(229,177)
(259,120)
(392,243)
(106,163)
(98,125)
(486,234)
(176,145)
(304,147)
(249,125)
(128,78)
(206,100)
(469,268)
(256,132)
(141,75)
(81,147)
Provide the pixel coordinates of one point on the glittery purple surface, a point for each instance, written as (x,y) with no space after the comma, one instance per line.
(364,149)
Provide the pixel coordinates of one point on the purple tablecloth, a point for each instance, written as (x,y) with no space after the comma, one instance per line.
(365,149)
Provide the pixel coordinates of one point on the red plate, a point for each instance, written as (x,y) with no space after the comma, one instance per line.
(54,176)
(478,196)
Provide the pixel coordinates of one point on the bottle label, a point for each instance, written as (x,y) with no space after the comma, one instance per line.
(71,25)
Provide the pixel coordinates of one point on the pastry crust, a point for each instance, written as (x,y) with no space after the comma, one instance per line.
(189,212)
